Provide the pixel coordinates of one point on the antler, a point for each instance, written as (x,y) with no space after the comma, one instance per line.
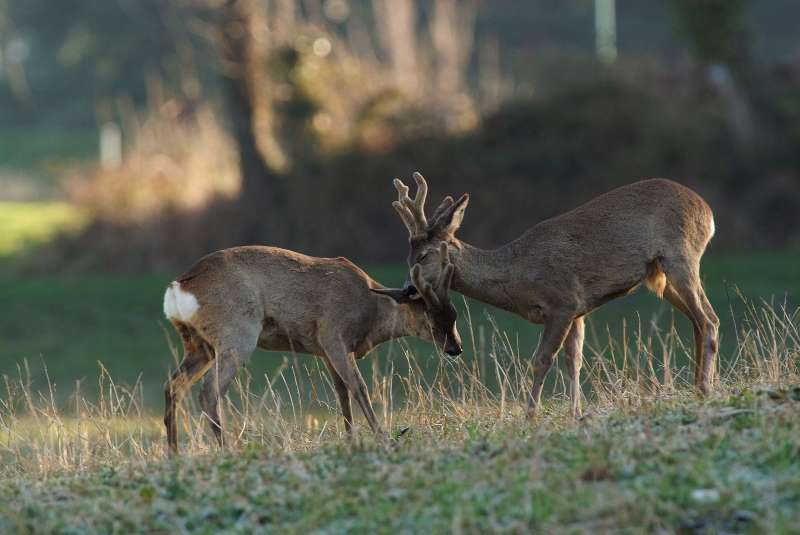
(412,211)
(446,270)
(424,289)
(434,295)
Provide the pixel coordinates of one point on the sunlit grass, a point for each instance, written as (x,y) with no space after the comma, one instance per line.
(25,224)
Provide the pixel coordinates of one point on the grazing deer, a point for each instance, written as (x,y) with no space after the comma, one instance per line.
(235,300)
(652,232)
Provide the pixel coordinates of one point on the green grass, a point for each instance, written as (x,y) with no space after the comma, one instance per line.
(668,462)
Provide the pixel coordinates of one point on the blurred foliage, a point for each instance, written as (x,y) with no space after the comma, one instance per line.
(85,54)
(714,29)
(532,158)
(334,123)
(178,161)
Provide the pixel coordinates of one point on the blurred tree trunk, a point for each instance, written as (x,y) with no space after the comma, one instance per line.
(397,24)
(453,35)
(262,189)
(716,33)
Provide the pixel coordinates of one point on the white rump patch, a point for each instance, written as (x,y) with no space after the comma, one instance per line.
(713,227)
(178,304)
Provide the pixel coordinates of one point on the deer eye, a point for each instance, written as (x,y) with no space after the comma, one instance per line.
(423,256)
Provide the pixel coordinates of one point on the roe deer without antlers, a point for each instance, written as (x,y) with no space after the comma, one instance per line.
(651,232)
(235,300)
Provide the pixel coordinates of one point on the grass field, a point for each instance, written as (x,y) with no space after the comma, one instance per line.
(677,466)
(82,446)
(649,457)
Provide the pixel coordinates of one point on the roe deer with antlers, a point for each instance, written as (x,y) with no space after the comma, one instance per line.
(651,232)
(235,300)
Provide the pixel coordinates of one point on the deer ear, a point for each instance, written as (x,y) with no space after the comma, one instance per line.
(400,295)
(448,223)
(412,292)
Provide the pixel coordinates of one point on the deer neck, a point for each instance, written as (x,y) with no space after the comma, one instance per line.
(391,321)
(486,275)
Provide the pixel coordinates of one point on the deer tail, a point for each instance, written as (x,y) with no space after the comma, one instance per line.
(656,280)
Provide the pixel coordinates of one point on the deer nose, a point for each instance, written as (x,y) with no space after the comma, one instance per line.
(453,350)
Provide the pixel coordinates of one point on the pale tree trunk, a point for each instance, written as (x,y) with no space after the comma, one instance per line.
(397,21)
(452,32)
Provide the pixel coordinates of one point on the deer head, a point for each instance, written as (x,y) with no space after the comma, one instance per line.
(434,315)
(425,238)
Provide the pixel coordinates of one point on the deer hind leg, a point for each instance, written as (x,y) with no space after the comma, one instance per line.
(555,331)
(573,353)
(671,295)
(713,338)
(215,385)
(685,291)
(196,362)
(231,354)
(343,395)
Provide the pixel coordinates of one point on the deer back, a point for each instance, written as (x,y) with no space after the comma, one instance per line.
(582,258)
(289,293)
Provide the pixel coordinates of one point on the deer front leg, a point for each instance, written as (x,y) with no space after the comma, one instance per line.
(555,331)
(344,397)
(344,364)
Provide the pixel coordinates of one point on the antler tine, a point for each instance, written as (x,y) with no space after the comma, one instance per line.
(446,269)
(405,215)
(421,196)
(424,289)
(401,207)
(444,254)
(415,208)
(402,189)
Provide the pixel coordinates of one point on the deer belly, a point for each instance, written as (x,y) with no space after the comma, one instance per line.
(610,295)
(275,338)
